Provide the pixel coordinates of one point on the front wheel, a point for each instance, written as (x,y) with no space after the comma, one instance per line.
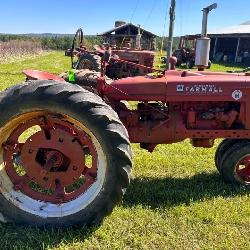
(66,158)
(235,164)
(190,63)
(223,147)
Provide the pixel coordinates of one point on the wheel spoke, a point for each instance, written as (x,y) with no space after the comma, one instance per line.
(19,146)
(46,126)
(90,175)
(21,183)
(59,193)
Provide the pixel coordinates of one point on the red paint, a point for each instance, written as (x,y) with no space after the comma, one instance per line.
(243,169)
(140,88)
(142,57)
(199,105)
(41,75)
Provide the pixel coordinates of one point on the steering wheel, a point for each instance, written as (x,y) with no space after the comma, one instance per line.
(77,44)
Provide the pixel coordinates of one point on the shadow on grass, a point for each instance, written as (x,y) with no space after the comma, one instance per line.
(20,73)
(153,192)
(16,237)
(167,192)
(11,73)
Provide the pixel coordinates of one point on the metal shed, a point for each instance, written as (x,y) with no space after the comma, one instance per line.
(231,43)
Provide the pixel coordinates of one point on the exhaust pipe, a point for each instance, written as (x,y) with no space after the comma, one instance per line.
(203,43)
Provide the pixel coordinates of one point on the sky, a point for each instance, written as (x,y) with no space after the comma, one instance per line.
(95,16)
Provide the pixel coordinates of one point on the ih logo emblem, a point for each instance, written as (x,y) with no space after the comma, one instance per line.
(237,95)
(180,88)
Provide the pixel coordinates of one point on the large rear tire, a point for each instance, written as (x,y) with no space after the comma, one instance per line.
(65,156)
(89,61)
(86,79)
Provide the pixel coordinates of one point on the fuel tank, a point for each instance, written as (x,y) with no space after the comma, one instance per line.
(180,86)
(140,88)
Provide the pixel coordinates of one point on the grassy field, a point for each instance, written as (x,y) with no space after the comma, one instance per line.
(11,73)
(176,199)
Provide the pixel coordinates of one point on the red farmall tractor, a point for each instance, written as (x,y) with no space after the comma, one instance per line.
(124,60)
(66,157)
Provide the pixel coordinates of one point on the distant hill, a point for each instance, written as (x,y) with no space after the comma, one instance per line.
(42,35)
(46,35)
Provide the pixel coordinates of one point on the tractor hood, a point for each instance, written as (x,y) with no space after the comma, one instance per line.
(181,86)
(140,88)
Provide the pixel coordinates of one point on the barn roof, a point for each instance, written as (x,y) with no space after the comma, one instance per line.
(243,28)
(124,27)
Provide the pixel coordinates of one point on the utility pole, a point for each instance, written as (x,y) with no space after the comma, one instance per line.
(171,30)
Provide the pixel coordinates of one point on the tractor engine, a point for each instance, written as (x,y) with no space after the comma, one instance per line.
(209,115)
(153,123)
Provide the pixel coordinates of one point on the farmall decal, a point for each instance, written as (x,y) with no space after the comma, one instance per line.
(199,89)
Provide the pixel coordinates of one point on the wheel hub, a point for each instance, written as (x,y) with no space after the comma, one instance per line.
(52,160)
(56,160)
(243,169)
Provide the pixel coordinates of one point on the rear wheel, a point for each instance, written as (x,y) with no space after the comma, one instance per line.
(209,64)
(66,158)
(178,55)
(86,79)
(89,61)
(190,64)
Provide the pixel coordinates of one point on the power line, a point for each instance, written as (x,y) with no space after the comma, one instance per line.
(135,9)
(181,16)
(149,15)
(164,27)
(151,12)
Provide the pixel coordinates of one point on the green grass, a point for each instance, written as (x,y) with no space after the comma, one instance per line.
(227,66)
(176,199)
(11,73)
(215,66)
(222,67)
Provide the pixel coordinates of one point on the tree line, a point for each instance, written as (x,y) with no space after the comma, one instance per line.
(54,42)
(63,42)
